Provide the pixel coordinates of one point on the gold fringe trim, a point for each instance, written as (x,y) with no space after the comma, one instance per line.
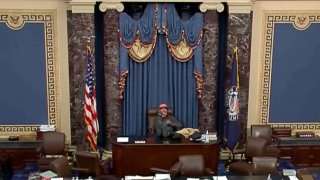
(182,51)
(199,81)
(122,83)
(140,52)
(129,45)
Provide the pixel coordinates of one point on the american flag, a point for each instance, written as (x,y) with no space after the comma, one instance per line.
(90,111)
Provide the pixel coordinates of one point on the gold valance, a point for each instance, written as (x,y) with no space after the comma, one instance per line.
(138,50)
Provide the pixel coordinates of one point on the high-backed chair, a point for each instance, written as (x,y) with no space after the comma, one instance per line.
(256,163)
(254,147)
(262,165)
(193,165)
(53,146)
(87,164)
(151,114)
(89,161)
(188,165)
(61,167)
(262,130)
(92,164)
(265,131)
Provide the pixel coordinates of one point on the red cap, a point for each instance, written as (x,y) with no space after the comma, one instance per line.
(163,106)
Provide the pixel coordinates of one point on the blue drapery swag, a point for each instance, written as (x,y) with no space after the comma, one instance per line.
(160,62)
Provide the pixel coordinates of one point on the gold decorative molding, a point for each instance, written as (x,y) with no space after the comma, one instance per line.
(199,80)
(302,22)
(14,21)
(122,83)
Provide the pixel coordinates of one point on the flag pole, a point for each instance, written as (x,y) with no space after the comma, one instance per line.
(90,114)
(232,135)
(88,38)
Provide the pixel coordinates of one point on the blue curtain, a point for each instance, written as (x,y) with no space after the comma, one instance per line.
(221,125)
(160,78)
(99,66)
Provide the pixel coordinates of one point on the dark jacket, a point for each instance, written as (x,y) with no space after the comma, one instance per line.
(166,126)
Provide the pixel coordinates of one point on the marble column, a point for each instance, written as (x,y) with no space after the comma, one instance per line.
(208,107)
(112,102)
(208,102)
(111,65)
(239,35)
(80,26)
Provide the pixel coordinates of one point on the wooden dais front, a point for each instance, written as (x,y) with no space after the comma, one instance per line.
(137,159)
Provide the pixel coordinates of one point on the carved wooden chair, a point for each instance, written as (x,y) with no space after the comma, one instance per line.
(53,147)
(256,163)
(265,131)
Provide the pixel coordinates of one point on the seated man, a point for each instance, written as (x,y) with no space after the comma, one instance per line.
(165,125)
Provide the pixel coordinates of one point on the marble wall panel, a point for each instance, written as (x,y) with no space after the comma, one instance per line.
(111,65)
(208,107)
(239,35)
(79,26)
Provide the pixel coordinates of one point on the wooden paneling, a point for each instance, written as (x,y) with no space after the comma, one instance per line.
(137,159)
(20,152)
(302,152)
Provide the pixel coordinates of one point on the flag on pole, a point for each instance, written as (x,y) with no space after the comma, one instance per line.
(90,111)
(233,125)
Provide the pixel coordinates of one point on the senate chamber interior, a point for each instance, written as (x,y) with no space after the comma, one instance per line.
(142,89)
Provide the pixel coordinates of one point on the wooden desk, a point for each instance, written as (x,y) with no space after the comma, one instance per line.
(20,152)
(136,159)
(302,152)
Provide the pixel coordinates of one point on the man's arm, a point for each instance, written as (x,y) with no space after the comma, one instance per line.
(157,126)
(175,123)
